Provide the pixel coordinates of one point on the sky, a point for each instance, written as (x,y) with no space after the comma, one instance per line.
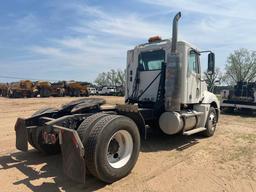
(76,40)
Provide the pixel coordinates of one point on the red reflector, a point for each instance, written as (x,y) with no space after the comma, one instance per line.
(53,139)
(74,140)
(154,38)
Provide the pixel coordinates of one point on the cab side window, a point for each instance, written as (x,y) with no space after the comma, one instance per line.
(193,62)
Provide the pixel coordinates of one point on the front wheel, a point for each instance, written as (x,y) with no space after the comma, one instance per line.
(211,123)
(112,148)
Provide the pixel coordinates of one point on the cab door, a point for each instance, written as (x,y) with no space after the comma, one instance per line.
(193,77)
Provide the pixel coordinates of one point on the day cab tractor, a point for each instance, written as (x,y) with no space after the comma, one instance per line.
(164,90)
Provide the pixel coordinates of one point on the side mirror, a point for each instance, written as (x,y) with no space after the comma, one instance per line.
(211,63)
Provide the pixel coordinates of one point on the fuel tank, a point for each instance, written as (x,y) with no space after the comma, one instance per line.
(173,122)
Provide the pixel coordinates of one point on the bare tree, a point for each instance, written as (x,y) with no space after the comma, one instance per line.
(111,78)
(102,80)
(121,77)
(241,66)
(213,79)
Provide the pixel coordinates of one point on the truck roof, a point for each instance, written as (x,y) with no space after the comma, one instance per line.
(165,41)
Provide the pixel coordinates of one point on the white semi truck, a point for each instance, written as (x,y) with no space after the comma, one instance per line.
(164,90)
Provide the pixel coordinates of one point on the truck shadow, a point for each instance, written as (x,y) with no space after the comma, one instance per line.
(44,173)
(163,142)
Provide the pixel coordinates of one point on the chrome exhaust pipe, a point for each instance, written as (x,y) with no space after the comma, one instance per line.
(175,32)
(172,72)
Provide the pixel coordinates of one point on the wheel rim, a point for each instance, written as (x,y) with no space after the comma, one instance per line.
(212,120)
(119,149)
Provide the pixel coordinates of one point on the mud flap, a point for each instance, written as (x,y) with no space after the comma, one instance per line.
(72,156)
(21,135)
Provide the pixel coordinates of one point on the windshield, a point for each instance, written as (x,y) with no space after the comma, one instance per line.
(151,60)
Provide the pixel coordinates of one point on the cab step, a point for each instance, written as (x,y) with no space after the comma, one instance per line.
(193,131)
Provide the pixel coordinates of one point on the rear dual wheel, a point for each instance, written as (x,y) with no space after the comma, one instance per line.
(86,126)
(112,147)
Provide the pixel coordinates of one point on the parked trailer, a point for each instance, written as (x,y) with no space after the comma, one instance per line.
(243,96)
(164,87)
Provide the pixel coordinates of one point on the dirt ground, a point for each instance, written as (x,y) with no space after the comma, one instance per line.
(224,162)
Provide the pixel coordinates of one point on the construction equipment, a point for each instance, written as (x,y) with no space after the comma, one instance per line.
(3,89)
(84,89)
(23,88)
(43,88)
(58,89)
(75,89)
(164,90)
(243,96)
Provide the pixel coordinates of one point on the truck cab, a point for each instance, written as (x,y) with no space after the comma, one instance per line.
(145,62)
(166,76)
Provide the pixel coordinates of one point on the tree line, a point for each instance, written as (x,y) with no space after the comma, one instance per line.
(112,78)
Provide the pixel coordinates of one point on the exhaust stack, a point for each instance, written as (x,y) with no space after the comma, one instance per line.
(175,32)
(172,73)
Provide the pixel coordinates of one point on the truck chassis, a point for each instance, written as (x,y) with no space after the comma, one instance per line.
(59,127)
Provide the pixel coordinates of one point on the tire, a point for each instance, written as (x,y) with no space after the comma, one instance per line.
(86,126)
(103,148)
(35,137)
(211,123)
